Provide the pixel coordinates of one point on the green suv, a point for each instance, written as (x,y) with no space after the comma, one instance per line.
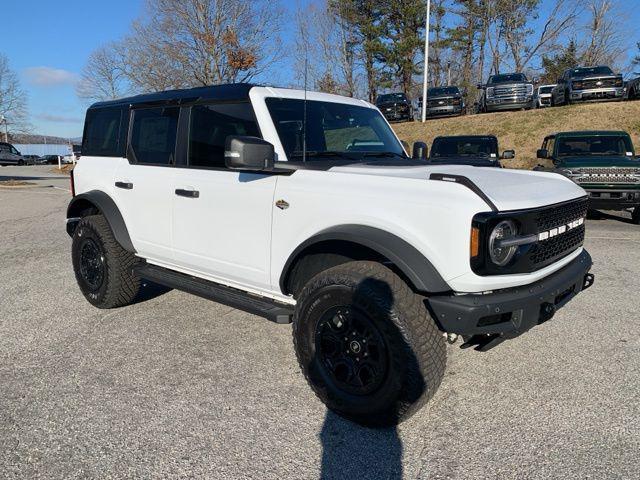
(603,163)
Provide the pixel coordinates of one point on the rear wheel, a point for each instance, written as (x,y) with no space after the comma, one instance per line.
(367,344)
(103,269)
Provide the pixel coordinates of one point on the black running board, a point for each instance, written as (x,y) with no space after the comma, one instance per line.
(264,307)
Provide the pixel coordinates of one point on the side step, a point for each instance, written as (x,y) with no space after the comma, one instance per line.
(264,307)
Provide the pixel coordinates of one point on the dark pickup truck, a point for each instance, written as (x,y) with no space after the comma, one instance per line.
(474,150)
(603,163)
(395,107)
(588,84)
(443,101)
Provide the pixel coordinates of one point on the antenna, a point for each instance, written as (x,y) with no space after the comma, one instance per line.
(304,115)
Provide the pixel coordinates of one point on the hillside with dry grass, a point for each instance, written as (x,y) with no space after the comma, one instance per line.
(524,131)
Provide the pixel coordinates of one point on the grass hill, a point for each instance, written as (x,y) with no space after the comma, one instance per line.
(524,131)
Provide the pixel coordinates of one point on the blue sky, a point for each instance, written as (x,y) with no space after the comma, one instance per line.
(48,42)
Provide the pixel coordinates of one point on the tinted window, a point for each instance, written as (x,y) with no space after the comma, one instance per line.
(392,97)
(464,147)
(438,91)
(4,148)
(211,125)
(507,78)
(153,137)
(332,128)
(587,72)
(600,146)
(102,132)
(546,89)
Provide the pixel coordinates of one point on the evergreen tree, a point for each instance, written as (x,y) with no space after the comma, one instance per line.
(555,66)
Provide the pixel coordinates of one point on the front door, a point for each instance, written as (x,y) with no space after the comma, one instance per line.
(222,218)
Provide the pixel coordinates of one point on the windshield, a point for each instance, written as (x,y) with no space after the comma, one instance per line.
(588,146)
(445,147)
(333,129)
(507,78)
(588,72)
(546,89)
(392,97)
(440,91)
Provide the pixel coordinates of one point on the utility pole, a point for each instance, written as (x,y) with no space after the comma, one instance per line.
(426,63)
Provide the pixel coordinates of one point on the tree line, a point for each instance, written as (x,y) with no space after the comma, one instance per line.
(350,47)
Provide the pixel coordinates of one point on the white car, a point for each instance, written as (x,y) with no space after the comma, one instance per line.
(544,96)
(305,207)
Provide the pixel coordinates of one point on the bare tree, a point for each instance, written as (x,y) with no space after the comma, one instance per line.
(104,75)
(605,38)
(13,100)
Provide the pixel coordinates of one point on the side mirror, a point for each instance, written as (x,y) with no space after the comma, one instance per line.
(248,153)
(542,153)
(480,86)
(420,151)
(508,155)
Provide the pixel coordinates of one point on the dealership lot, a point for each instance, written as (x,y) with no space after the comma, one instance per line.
(176,386)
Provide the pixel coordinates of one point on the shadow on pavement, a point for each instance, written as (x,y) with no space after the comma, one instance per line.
(26,178)
(352,452)
(150,290)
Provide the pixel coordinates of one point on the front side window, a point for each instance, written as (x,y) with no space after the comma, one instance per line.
(153,135)
(597,146)
(102,132)
(332,129)
(210,125)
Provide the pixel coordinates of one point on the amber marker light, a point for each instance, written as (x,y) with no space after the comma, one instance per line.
(475,242)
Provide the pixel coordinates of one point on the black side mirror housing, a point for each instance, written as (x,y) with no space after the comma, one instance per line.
(542,153)
(248,153)
(508,155)
(420,151)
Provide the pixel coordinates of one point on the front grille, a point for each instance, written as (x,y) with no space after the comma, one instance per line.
(517,91)
(547,251)
(440,102)
(607,179)
(604,83)
(610,171)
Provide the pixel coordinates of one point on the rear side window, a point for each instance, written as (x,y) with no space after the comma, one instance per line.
(153,135)
(102,130)
(210,125)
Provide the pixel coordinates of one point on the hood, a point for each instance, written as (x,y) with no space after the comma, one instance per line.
(595,77)
(508,85)
(596,161)
(391,104)
(507,189)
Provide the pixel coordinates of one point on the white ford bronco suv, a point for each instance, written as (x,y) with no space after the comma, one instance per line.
(305,207)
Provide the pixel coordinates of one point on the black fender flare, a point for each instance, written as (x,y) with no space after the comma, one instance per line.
(413,264)
(107,207)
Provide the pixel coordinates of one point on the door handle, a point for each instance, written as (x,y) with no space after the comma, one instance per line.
(187,193)
(125,185)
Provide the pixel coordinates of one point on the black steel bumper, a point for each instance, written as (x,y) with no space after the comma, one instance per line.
(511,312)
(610,199)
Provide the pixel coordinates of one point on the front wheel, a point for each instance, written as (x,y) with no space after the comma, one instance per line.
(367,344)
(103,269)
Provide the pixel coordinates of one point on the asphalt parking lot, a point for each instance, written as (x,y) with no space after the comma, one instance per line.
(178,387)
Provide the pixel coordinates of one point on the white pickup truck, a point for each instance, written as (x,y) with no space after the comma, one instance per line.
(304,207)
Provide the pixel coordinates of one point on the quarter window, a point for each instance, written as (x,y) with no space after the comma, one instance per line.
(153,136)
(102,132)
(210,125)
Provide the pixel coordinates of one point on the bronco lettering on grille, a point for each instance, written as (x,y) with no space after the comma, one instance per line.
(554,232)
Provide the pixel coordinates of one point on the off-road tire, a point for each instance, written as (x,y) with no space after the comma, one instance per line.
(119,286)
(416,349)
(635,215)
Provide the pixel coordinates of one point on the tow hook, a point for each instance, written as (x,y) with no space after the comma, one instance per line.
(589,279)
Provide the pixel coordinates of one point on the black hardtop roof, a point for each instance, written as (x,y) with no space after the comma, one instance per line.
(466,137)
(230,91)
(590,133)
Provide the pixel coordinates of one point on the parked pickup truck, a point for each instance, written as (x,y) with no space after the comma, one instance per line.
(475,150)
(304,207)
(511,91)
(588,84)
(603,163)
(443,101)
(395,107)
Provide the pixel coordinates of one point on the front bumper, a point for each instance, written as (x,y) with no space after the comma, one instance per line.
(613,199)
(444,110)
(508,103)
(611,93)
(511,312)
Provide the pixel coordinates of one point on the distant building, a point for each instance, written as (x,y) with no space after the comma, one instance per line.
(42,149)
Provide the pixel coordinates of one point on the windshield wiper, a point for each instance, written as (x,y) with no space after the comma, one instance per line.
(322,153)
(383,154)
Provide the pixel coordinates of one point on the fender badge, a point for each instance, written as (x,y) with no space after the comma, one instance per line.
(282,204)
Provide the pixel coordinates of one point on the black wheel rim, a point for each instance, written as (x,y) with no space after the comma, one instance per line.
(351,350)
(92,266)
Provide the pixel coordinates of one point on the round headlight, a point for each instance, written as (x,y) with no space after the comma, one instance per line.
(502,256)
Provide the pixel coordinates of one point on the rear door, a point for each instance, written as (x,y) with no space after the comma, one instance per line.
(143,181)
(221,218)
